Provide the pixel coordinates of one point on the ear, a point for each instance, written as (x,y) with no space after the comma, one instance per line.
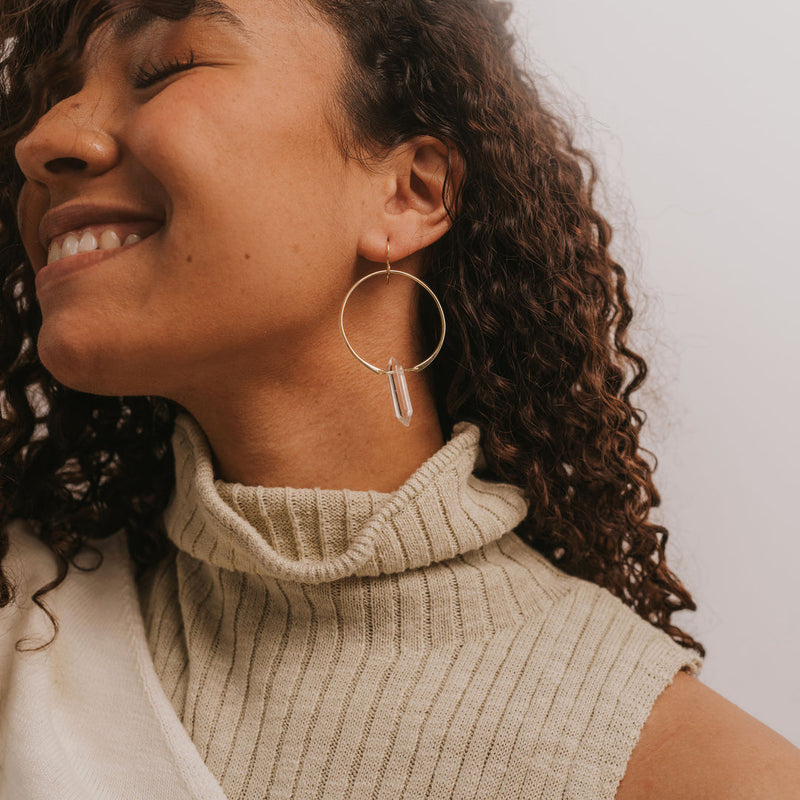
(408,205)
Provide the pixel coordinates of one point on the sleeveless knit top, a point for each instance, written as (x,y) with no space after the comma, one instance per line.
(340,644)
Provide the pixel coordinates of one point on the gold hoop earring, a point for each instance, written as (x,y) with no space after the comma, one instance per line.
(401,400)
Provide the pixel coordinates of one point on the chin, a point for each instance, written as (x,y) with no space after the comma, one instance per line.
(87,364)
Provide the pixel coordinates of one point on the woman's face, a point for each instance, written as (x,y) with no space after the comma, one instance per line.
(230,171)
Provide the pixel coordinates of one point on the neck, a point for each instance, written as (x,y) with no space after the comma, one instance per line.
(336,433)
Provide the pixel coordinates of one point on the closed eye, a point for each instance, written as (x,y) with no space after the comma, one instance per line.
(150,74)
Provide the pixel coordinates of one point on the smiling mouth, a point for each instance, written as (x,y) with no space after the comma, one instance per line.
(99,237)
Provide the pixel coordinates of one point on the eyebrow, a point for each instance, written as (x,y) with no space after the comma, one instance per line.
(134,22)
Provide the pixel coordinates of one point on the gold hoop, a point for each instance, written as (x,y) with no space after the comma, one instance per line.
(387,272)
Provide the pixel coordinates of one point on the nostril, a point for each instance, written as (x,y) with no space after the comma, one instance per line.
(66,164)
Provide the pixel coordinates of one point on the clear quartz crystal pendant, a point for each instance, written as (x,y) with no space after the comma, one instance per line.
(400,396)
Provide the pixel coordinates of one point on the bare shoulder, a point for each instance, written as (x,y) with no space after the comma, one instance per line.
(697,744)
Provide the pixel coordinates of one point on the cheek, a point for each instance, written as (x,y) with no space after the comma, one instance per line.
(200,133)
(245,183)
(259,201)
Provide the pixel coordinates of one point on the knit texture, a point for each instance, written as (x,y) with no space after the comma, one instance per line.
(340,644)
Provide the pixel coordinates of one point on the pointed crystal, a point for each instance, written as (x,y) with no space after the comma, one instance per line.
(400,396)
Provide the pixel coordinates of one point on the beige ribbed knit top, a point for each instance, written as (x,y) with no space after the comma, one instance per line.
(340,644)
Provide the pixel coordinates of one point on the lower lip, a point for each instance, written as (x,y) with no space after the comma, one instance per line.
(70,265)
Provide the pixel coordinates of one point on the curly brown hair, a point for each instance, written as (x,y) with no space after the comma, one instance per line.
(538,310)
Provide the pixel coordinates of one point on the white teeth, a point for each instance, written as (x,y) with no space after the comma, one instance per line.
(109,239)
(69,247)
(74,243)
(87,242)
(54,253)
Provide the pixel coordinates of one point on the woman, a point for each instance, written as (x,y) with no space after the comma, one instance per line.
(237,562)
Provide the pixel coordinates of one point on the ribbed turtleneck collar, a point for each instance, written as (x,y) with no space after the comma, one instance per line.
(321,535)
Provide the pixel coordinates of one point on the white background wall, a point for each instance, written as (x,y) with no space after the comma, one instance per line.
(693,109)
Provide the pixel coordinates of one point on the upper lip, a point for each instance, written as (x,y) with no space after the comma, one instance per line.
(74,216)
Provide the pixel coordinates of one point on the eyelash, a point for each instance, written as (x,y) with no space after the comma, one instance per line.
(151,74)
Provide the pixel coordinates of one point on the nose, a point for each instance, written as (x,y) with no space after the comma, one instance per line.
(68,142)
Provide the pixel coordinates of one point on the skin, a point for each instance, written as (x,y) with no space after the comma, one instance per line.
(232,307)
(696,745)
